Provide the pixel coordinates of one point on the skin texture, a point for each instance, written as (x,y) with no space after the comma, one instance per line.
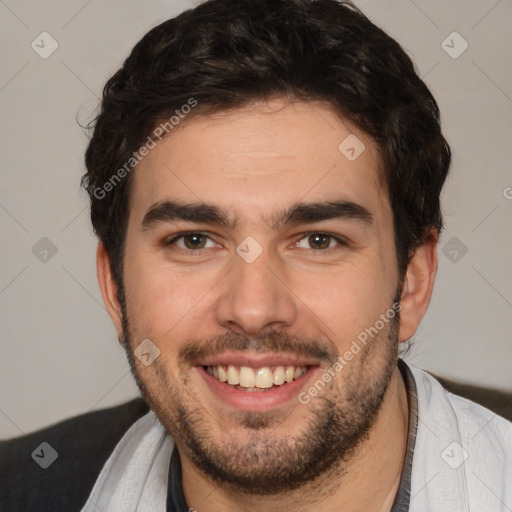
(299,297)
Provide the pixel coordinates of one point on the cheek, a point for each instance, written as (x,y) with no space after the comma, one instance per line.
(158,298)
(347,300)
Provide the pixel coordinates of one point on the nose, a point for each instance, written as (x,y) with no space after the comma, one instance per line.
(254,297)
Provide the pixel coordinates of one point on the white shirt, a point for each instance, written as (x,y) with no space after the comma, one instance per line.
(463,454)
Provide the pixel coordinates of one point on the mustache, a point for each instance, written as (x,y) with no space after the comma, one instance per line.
(272,342)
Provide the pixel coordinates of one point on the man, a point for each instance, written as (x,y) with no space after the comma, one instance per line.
(264,179)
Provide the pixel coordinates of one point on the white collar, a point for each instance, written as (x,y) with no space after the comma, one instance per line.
(134,479)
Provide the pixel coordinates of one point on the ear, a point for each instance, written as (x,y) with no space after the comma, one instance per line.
(108,288)
(418,286)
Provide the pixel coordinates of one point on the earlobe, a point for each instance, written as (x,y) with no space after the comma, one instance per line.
(418,286)
(108,288)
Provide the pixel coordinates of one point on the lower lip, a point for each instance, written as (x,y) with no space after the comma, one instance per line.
(257,400)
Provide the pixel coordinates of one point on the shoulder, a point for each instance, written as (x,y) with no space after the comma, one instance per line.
(474,408)
(463,451)
(82,445)
(498,401)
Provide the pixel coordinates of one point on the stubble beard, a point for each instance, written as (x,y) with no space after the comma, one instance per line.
(265,460)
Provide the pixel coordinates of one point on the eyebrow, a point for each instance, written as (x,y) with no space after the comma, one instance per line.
(305,213)
(299,213)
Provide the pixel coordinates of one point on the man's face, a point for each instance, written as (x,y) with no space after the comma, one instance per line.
(262,291)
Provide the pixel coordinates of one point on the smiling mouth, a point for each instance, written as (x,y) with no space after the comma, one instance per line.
(264,378)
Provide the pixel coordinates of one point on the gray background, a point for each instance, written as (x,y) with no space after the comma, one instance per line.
(59,352)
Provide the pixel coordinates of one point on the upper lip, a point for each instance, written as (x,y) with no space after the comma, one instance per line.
(256,360)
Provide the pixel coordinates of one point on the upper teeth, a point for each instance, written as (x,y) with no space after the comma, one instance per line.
(262,377)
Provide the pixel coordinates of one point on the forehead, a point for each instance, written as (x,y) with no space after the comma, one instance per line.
(255,159)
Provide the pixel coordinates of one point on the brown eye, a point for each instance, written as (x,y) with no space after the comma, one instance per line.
(319,241)
(194,241)
(191,241)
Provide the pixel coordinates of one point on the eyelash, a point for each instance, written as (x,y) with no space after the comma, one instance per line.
(168,243)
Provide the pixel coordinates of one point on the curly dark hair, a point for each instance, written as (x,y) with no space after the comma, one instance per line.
(225,54)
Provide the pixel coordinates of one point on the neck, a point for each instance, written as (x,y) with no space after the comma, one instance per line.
(367,482)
